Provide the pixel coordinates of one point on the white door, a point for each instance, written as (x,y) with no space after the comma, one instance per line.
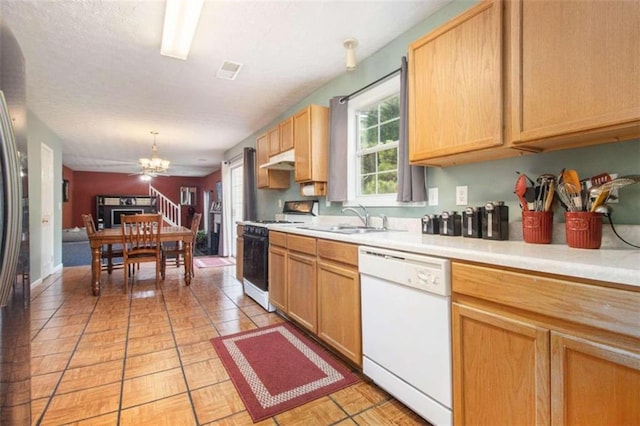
(47,190)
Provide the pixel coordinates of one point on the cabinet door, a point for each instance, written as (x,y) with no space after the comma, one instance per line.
(592,383)
(302,290)
(286,134)
(310,136)
(339,317)
(302,143)
(456,86)
(500,369)
(575,67)
(278,277)
(274,141)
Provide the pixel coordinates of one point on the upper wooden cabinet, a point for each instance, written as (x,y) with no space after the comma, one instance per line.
(456,90)
(286,134)
(576,72)
(269,179)
(274,140)
(311,141)
(506,78)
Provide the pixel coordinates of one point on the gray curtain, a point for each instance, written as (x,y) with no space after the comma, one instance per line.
(411,179)
(337,185)
(249,185)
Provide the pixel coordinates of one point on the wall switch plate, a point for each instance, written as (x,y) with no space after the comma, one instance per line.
(433,196)
(462,195)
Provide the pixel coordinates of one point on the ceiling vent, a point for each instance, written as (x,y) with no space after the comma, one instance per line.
(229,70)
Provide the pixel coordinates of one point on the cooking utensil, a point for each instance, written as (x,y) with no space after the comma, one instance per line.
(566,193)
(520,190)
(600,198)
(572,184)
(549,195)
(616,183)
(600,179)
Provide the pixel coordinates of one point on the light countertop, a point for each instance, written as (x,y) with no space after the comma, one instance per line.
(620,266)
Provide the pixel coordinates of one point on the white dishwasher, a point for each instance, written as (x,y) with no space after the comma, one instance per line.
(406,332)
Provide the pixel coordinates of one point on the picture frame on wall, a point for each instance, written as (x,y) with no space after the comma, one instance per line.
(65,190)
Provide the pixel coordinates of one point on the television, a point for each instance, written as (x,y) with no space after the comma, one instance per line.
(115,215)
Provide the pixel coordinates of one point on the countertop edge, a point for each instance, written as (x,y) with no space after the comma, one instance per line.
(606,265)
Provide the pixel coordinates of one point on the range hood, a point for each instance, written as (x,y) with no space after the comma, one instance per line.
(282,161)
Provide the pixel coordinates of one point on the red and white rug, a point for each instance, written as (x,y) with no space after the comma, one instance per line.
(213,261)
(277,368)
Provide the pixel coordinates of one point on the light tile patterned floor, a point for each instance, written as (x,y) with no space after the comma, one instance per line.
(145,357)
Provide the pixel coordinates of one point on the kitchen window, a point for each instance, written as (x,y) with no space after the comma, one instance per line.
(373,129)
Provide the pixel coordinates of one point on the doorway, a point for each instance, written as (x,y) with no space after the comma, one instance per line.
(236,170)
(47,209)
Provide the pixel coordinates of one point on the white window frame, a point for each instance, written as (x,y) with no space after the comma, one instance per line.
(371,96)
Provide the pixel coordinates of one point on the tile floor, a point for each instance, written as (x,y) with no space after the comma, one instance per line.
(145,357)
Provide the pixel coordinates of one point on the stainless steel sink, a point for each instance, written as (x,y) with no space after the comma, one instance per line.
(343,229)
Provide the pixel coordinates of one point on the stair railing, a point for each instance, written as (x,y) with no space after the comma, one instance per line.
(169,210)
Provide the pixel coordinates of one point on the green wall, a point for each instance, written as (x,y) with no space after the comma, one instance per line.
(487,181)
(38,133)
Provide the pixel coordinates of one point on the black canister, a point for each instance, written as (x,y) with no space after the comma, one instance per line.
(451,224)
(472,222)
(431,224)
(495,221)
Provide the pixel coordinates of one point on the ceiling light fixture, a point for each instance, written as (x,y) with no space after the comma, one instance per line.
(180,23)
(350,45)
(155,165)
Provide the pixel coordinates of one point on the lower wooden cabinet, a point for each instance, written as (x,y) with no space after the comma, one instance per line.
(316,283)
(302,290)
(593,383)
(501,369)
(339,315)
(533,349)
(278,277)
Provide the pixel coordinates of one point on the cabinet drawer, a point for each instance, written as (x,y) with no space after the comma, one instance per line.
(602,307)
(301,244)
(278,238)
(340,252)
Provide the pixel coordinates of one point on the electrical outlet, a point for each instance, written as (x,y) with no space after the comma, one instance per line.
(462,195)
(433,196)
(279,204)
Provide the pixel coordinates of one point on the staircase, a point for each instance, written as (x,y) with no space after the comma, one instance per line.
(170,210)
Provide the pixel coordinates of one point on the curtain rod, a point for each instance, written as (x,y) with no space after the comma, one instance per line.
(346,98)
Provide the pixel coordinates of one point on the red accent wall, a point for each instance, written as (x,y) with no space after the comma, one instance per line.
(84,186)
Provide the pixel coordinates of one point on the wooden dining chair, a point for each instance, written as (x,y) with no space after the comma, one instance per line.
(106,253)
(176,249)
(141,242)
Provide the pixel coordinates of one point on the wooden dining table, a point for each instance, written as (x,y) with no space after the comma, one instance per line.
(110,236)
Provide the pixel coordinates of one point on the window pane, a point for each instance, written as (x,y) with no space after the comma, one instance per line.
(369,137)
(368,117)
(368,185)
(388,159)
(368,164)
(390,132)
(388,182)
(390,108)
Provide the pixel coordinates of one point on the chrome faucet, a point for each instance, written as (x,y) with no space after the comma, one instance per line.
(364,216)
(385,221)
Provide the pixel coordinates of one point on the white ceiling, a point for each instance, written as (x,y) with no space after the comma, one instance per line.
(96,78)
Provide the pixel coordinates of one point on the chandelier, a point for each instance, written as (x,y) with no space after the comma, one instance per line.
(155,165)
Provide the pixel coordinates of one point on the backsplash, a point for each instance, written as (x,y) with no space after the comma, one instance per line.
(631,233)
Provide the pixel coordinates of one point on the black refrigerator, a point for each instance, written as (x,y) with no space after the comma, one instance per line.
(15,347)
